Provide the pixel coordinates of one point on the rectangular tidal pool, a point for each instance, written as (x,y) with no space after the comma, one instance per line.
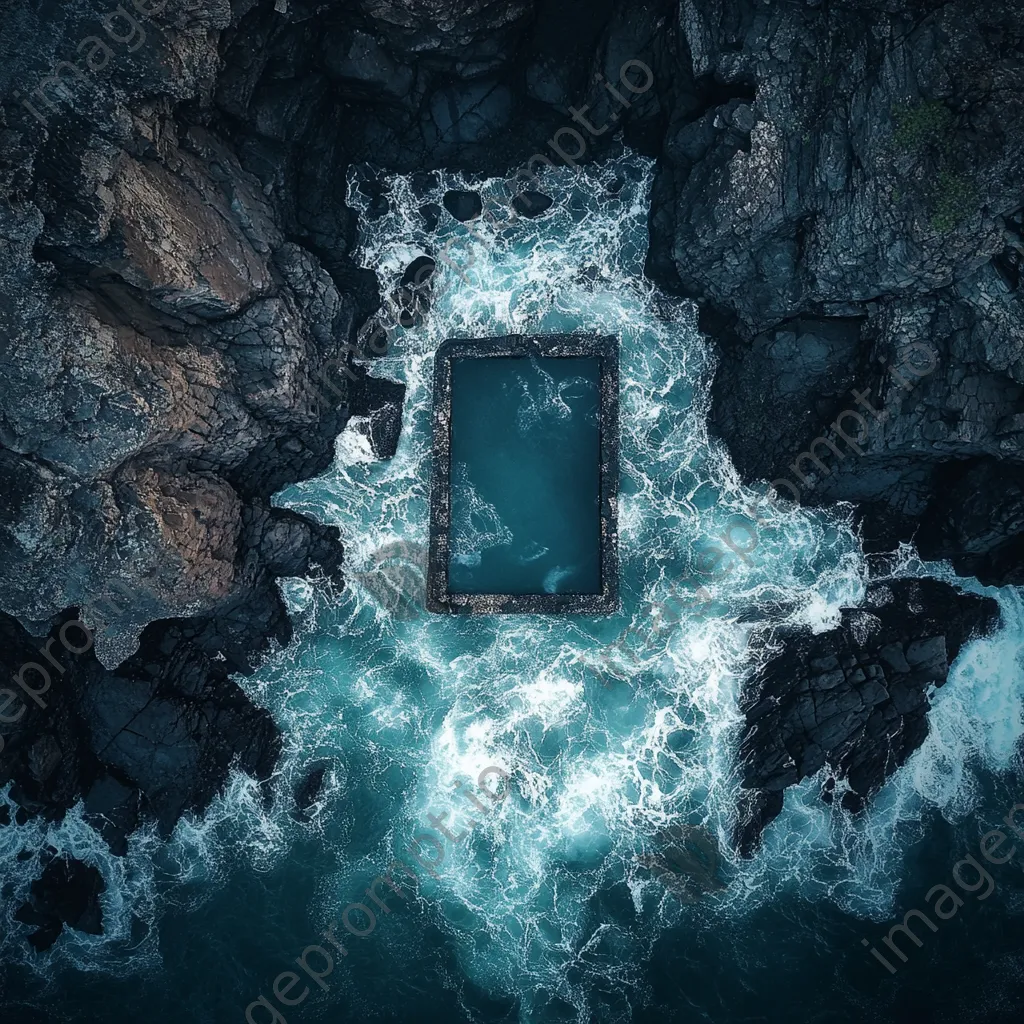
(523,488)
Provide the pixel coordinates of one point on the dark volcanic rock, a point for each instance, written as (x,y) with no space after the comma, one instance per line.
(229,356)
(419,273)
(772,396)
(149,740)
(463,205)
(849,173)
(531,203)
(477,33)
(853,700)
(977,520)
(412,296)
(380,401)
(67,894)
(822,184)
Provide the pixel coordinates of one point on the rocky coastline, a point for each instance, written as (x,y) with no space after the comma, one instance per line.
(835,182)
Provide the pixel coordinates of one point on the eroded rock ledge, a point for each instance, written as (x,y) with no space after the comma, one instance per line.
(854,699)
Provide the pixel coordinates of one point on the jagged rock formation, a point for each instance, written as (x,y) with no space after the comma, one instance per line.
(176,277)
(162,400)
(857,198)
(378,403)
(151,739)
(687,863)
(853,699)
(172,357)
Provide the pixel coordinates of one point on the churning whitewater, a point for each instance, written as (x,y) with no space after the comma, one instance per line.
(610,749)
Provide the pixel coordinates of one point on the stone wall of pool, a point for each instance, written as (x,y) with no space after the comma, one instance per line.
(552,479)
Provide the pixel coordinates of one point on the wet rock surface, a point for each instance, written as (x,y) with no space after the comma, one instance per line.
(66,894)
(463,205)
(531,203)
(379,402)
(853,700)
(147,741)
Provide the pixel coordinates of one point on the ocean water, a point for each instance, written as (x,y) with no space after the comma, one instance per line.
(525,476)
(565,754)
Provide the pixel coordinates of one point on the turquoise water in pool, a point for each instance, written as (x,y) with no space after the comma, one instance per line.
(525,476)
(547,910)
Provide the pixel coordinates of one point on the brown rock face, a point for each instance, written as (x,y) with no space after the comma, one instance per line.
(166,350)
(175,348)
(172,357)
(180,242)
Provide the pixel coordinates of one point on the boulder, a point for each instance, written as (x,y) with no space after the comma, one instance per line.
(379,402)
(463,206)
(531,203)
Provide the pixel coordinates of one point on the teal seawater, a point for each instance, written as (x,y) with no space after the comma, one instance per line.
(525,476)
(549,910)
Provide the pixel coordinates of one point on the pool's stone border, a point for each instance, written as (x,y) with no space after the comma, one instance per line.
(546,346)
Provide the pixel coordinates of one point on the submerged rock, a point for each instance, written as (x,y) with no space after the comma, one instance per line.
(308,791)
(67,893)
(687,863)
(431,214)
(853,700)
(397,578)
